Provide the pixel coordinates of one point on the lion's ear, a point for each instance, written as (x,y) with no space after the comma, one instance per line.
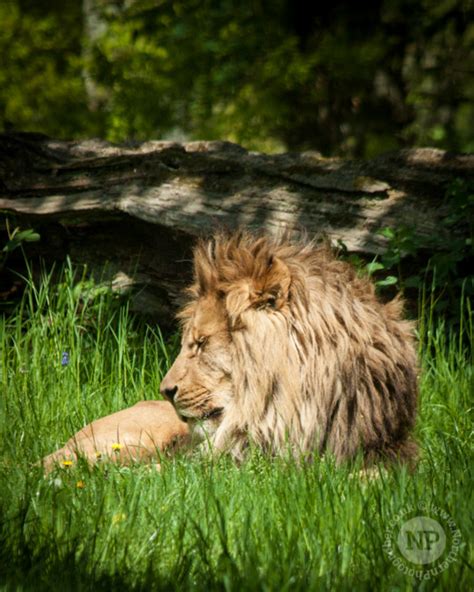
(268,289)
(272,289)
(204,268)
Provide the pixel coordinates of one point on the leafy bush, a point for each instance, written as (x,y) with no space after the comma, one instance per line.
(441,269)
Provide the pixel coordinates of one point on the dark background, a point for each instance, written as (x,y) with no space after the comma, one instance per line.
(341,77)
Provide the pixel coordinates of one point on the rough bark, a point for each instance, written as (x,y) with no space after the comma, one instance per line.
(139,207)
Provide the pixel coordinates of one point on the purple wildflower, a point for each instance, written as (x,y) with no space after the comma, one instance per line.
(65,359)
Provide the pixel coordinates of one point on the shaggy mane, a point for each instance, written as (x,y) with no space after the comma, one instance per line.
(319,363)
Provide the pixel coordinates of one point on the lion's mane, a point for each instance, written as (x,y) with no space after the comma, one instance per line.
(320,364)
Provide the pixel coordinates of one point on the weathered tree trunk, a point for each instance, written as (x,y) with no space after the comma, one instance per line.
(139,207)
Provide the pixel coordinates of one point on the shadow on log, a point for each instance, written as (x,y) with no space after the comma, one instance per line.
(139,207)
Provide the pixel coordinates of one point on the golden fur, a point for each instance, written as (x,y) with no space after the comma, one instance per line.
(139,433)
(286,347)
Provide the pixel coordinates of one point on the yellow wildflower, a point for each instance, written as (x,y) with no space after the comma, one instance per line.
(116,446)
(80,484)
(117,518)
(67,463)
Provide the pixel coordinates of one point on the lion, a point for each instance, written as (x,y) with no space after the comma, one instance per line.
(137,434)
(285,347)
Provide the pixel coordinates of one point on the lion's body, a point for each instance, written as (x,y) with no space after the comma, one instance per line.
(138,433)
(293,349)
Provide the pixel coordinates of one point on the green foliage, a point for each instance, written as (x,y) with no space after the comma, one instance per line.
(16,238)
(41,88)
(410,262)
(200,524)
(339,78)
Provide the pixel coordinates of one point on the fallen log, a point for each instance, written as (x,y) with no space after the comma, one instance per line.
(140,206)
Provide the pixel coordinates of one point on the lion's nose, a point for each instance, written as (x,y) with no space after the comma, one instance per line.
(169,393)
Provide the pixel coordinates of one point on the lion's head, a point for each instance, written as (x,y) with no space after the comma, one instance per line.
(283,345)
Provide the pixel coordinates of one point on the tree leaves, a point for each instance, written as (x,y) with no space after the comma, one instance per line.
(343,80)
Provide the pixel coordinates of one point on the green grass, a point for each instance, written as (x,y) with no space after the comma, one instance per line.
(201,524)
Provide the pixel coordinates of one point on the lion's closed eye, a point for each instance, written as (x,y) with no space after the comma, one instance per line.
(197,344)
(201,342)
